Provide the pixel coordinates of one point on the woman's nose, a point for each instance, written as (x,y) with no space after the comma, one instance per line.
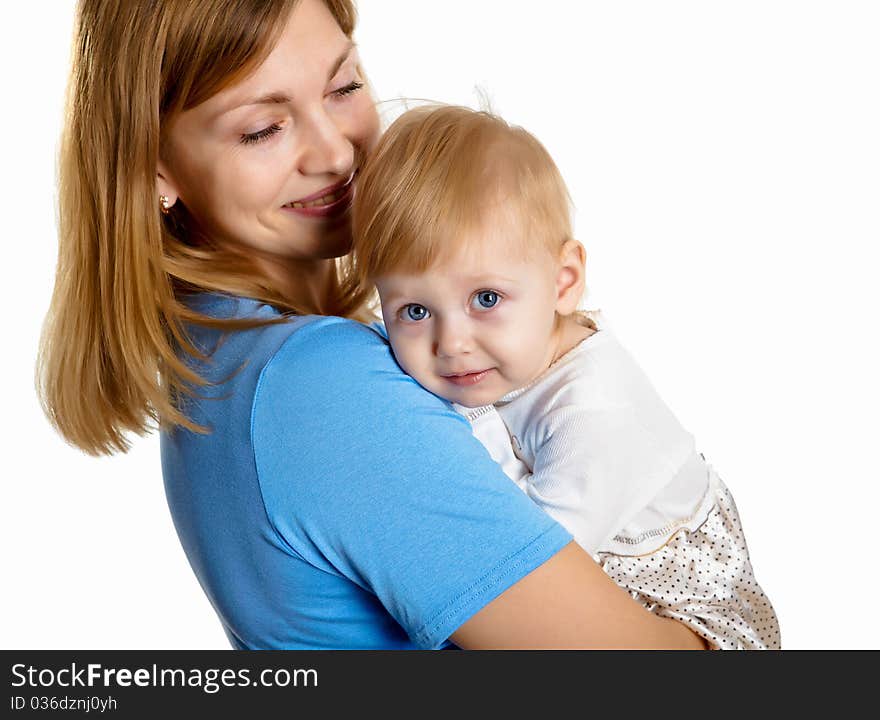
(451,338)
(324,147)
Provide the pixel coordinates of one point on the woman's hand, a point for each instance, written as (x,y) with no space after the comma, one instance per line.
(569,603)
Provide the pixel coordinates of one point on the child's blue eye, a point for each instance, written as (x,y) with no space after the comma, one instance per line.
(487,299)
(415,313)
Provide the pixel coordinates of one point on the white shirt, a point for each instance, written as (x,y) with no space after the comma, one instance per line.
(592,443)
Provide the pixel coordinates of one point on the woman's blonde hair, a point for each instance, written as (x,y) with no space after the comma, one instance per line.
(112,355)
(441,171)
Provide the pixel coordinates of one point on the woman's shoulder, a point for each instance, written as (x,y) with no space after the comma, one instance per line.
(334,346)
(274,336)
(330,366)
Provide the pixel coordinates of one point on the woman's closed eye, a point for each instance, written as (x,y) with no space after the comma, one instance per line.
(349,89)
(485,300)
(275,128)
(260,135)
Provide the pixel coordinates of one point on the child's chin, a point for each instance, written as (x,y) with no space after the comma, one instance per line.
(475,400)
(469,397)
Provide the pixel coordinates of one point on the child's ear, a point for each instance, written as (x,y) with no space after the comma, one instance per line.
(570,277)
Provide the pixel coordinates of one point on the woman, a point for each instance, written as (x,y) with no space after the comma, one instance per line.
(323,499)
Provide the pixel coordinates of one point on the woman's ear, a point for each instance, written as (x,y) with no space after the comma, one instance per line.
(165,186)
(570,277)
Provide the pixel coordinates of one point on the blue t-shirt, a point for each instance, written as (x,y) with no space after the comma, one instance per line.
(335,503)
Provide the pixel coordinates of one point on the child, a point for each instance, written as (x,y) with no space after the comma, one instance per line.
(463,224)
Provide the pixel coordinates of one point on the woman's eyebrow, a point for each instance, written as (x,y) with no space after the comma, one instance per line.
(341,59)
(276,98)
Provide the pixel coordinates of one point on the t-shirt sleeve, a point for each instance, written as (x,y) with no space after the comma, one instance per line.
(367,475)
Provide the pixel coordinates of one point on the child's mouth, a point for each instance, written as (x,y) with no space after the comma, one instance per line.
(467,379)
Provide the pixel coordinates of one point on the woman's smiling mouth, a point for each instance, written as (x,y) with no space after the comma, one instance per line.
(330,201)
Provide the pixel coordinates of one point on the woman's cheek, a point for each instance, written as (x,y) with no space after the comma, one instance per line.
(257,180)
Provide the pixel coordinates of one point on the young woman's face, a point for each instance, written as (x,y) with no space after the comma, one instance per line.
(267,164)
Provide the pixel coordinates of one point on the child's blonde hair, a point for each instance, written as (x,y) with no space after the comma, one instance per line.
(432,181)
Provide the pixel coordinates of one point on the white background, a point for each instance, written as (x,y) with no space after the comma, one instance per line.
(724,158)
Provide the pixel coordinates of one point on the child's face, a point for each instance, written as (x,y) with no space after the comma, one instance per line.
(479,326)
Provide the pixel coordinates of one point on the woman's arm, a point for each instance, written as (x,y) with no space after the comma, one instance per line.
(569,603)
(369,477)
(626,623)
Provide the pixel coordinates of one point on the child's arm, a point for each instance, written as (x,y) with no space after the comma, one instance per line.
(491,431)
(572,480)
(594,469)
(600,441)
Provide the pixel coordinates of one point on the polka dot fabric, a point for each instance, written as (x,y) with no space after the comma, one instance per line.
(703,578)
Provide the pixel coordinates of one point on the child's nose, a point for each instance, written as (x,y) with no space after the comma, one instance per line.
(451,338)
